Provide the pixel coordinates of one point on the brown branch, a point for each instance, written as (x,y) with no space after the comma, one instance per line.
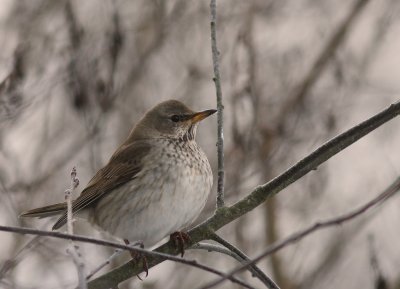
(390,191)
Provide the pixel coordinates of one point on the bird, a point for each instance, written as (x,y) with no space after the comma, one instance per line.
(155,184)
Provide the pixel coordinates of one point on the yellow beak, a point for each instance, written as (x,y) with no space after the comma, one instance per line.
(198,116)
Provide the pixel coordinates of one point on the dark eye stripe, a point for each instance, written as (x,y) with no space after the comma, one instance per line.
(175,118)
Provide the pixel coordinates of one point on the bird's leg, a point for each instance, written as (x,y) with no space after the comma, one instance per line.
(136,256)
(180,239)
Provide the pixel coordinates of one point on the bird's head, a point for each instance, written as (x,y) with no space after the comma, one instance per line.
(171,119)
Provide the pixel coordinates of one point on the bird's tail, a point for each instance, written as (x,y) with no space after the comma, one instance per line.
(47,211)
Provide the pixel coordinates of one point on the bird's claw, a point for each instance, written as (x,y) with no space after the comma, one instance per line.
(180,239)
(136,256)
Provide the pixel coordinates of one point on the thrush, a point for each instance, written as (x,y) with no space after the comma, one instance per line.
(156,183)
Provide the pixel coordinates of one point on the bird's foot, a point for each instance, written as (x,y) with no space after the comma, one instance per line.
(180,239)
(136,257)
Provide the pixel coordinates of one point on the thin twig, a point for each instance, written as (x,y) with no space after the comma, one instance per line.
(157,257)
(68,199)
(257,272)
(220,107)
(390,191)
(116,253)
(73,250)
(215,248)
(220,249)
(223,250)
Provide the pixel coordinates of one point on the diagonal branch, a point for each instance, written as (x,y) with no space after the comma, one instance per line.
(246,260)
(390,191)
(260,194)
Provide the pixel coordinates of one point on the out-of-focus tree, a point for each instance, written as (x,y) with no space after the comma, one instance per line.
(75,75)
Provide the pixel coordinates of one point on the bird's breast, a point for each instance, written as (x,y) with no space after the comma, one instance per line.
(167,194)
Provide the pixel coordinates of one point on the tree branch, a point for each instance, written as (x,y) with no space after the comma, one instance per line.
(220,107)
(73,249)
(154,257)
(216,248)
(223,250)
(116,253)
(390,191)
(246,260)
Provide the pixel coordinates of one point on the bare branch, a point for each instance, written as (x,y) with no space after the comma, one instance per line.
(220,107)
(390,191)
(216,248)
(220,249)
(245,260)
(73,250)
(68,199)
(156,257)
(223,250)
(116,253)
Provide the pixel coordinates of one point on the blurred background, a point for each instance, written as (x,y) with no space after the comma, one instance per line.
(76,75)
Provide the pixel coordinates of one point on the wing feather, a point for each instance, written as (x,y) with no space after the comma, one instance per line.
(123,166)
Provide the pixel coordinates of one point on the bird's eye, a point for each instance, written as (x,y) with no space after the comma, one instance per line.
(175,118)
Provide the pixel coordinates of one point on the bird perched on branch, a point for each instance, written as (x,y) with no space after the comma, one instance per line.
(155,184)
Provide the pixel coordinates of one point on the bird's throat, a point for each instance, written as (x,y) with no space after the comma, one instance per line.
(190,134)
